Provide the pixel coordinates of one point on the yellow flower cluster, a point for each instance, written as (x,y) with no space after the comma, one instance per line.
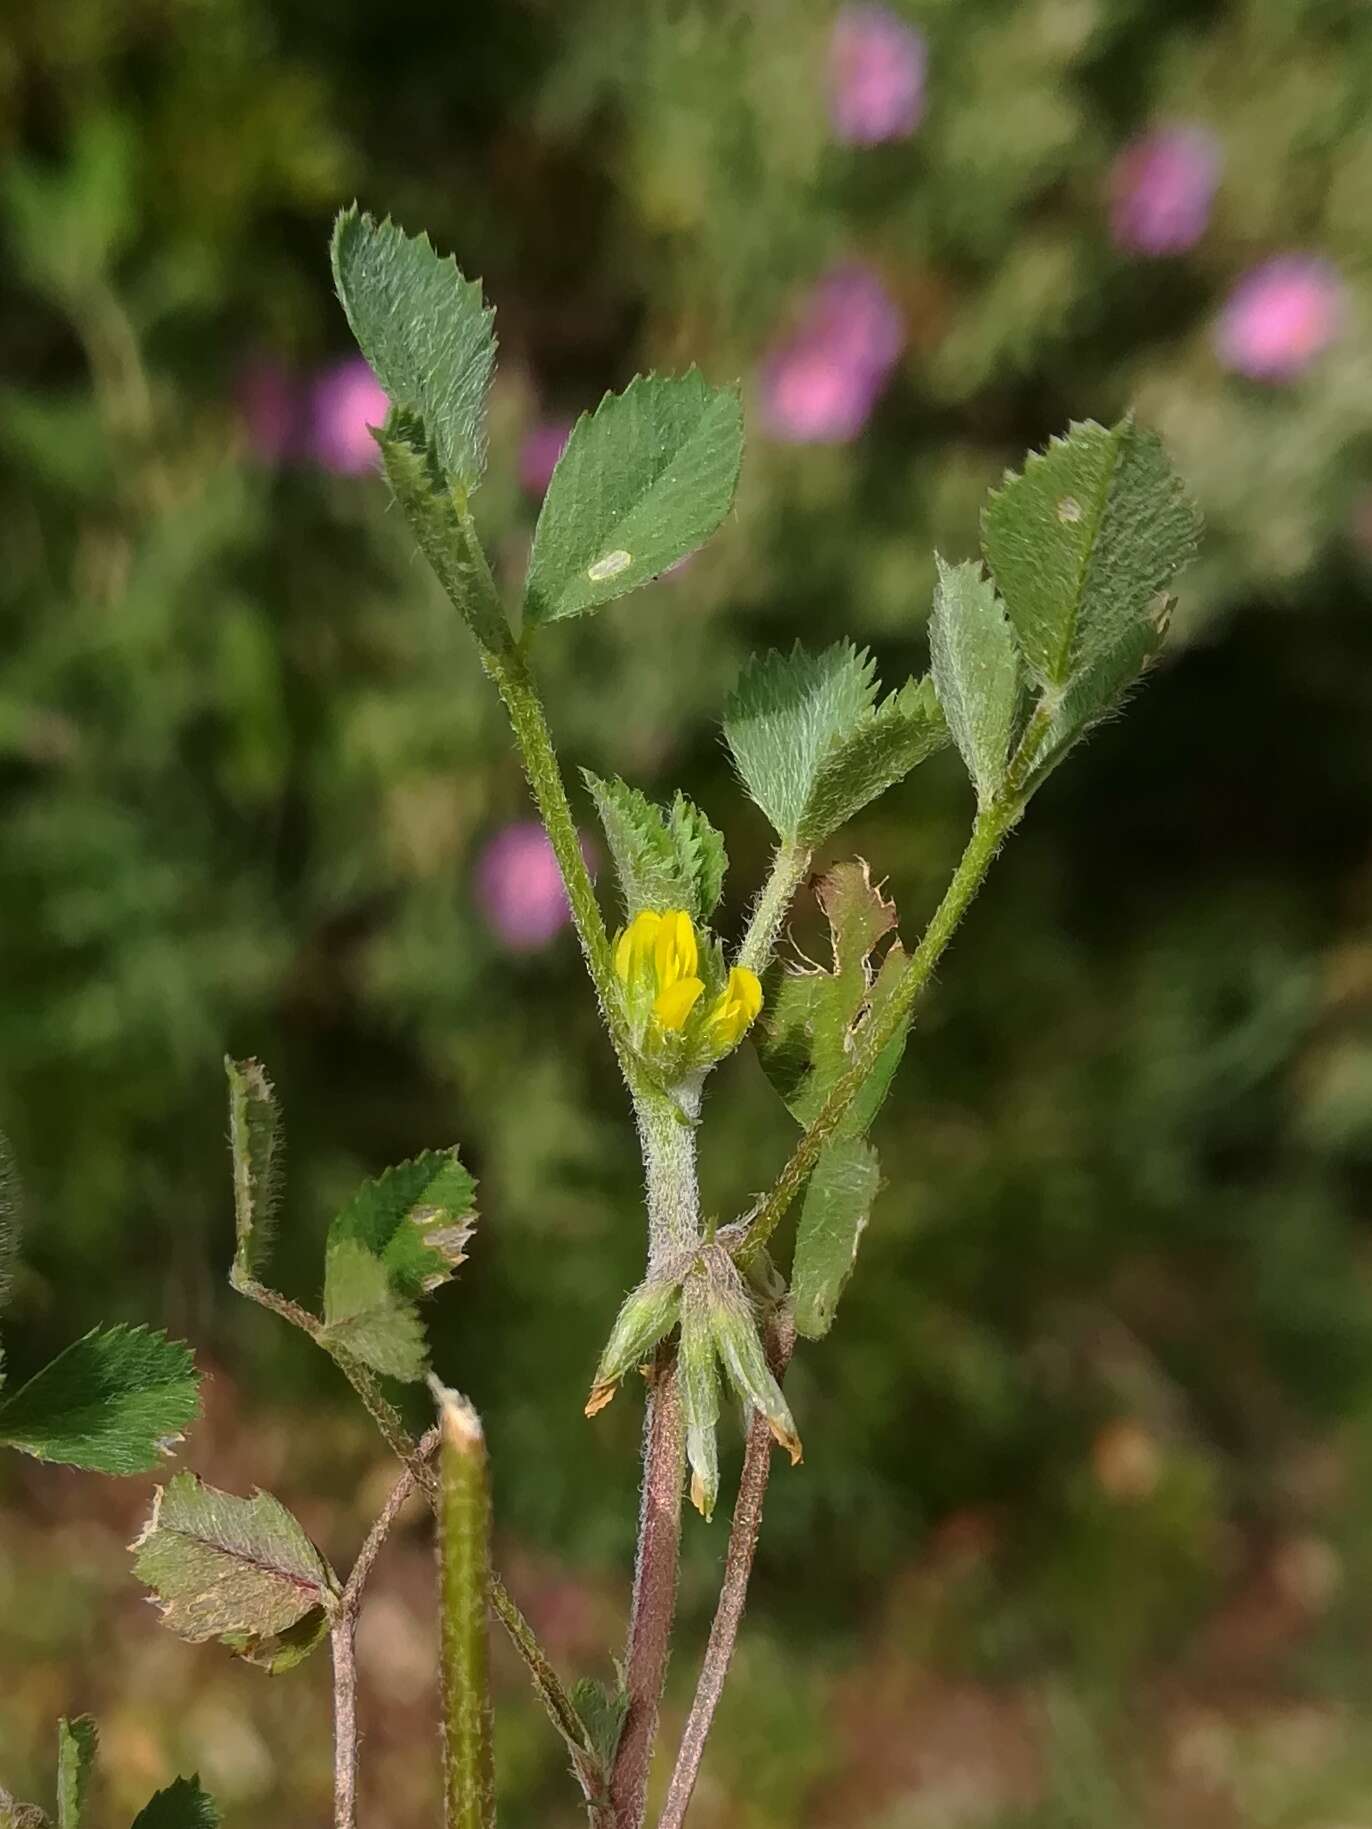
(663,947)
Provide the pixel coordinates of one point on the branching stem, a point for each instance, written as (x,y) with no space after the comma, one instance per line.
(733,1593)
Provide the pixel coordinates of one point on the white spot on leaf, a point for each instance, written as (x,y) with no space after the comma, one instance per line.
(609,567)
(1069,509)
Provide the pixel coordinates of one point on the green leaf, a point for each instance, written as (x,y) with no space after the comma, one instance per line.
(282,1651)
(811,745)
(1100,689)
(182,1805)
(643,481)
(811,1017)
(115,1401)
(77,1741)
(255,1142)
(603,1709)
(1083,542)
(425,332)
(239,1570)
(838,1203)
(366,1316)
(417,1218)
(672,859)
(904,729)
(442,530)
(976,672)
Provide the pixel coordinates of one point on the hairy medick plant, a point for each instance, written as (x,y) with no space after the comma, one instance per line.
(1030,647)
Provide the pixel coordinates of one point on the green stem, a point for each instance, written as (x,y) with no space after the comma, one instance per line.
(988,833)
(464,1572)
(667,1132)
(789,863)
(534,741)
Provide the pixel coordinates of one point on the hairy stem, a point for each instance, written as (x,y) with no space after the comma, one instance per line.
(988,833)
(733,1593)
(667,1133)
(790,861)
(653,1609)
(535,744)
(342,1643)
(464,1561)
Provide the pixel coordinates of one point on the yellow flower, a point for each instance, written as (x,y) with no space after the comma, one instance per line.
(735,1008)
(666,945)
(660,954)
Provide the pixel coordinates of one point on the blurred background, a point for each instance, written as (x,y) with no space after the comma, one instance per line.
(1084,1531)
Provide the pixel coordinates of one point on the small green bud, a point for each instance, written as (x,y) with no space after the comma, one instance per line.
(649,1312)
(699,1377)
(734,1327)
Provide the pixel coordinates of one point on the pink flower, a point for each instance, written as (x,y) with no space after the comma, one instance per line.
(543,445)
(346,400)
(820,384)
(1162,187)
(269,403)
(876,76)
(1279,317)
(519,886)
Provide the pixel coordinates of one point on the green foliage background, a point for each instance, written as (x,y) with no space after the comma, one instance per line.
(1099,1399)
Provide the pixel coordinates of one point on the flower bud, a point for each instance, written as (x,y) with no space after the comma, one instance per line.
(648,1313)
(699,1380)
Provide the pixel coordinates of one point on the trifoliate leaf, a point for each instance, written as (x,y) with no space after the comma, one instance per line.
(811,745)
(417,1218)
(255,1140)
(1082,543)
(77,1741)
(643,481)
(365,1315)
(183,1805)
(663,859)
(425,332)
(220,1566)
(838,1203)
(812,1018)
(116,1401)
(880,751)
(443,534)
(976,672)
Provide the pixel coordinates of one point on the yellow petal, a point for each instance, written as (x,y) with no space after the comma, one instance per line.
(636,942)
(674,1002)
(674,948)
(736,1006)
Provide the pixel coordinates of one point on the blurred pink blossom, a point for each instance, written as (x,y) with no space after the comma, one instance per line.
(876,76)
(1279,317)
(346,400)
(269,403)
(519,886)
(1162,187)
(543,444)
(820,383)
